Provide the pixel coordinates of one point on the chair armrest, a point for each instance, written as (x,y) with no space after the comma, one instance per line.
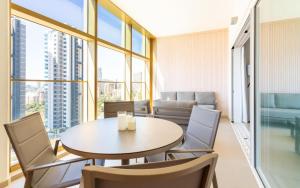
(56,147)
(57,163)
(189,151)
(169,152)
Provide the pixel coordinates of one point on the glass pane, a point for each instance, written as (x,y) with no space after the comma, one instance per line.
(110,27)
(57,9)
(138,42)
(138,70)
(278,93)
(40,53)
(109,91)
(111,65)
(138,91)
(60,103)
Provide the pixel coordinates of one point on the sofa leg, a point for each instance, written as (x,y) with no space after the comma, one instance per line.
(292,131)
(292,128)
(297,140)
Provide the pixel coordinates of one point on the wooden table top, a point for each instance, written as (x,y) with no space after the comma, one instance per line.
(101,139)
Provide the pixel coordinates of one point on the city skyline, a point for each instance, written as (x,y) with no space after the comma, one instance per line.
(63,60)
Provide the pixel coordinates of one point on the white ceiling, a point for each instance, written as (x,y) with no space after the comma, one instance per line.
(175,17)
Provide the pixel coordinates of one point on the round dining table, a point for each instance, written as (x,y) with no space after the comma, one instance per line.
(101,139)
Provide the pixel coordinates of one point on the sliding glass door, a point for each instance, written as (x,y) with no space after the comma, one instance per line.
(278,92)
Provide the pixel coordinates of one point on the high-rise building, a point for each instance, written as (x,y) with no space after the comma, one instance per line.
(76,74)
(19,68)
(63,61)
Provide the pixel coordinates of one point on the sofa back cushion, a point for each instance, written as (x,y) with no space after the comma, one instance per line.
(268,100)
(168,95)
(185,96)
(205,97)
(287,100)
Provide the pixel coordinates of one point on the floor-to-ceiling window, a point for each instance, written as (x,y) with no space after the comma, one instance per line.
(69,56)
(140,79)
(278,92)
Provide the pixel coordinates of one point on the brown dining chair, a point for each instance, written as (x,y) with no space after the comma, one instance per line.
(111,109)
(187,173)
(199,138)
(37,158)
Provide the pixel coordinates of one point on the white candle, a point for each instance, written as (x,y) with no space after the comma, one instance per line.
(122,122)
(132,124)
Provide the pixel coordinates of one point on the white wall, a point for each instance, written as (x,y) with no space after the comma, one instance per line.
(193,62)
(4,85)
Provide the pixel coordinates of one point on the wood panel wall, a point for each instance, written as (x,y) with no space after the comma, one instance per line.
(193,62)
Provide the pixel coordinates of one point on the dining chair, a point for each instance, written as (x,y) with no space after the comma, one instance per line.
(199,138)
(37,158)
(111,109)
(187,173)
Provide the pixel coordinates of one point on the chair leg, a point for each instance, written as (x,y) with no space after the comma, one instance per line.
(28,180)
(215,183)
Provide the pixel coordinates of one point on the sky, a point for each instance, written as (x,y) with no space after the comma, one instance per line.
(110,29)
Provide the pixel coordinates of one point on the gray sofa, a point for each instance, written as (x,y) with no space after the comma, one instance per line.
(142,108)
(177,106)
(280,109)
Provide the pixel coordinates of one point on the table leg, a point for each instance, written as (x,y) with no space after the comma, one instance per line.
(125,161)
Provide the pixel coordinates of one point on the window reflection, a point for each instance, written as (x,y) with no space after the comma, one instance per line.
(278,92)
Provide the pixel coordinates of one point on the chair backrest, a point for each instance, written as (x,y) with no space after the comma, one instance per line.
(30,141)
(195,173)
(202,128)
(111,109)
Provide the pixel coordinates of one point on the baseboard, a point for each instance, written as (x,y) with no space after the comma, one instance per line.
(4,183)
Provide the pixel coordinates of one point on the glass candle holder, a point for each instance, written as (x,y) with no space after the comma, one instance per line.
(132,124)
(122,120)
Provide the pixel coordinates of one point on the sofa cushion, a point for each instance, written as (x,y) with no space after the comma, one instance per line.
(268,100)
(174,104)
(280,114)
(205,97)
(287,100)
(207,106)
(185,96)
(168,95)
